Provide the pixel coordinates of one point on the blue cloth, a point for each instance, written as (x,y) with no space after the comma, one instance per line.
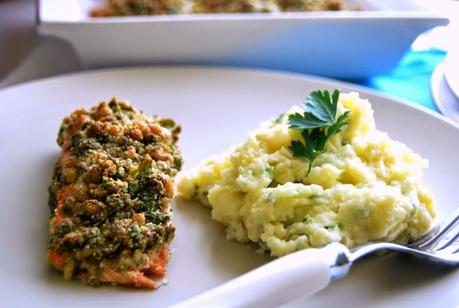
(410,79)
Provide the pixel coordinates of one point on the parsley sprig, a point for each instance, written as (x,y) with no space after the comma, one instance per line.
(318,124)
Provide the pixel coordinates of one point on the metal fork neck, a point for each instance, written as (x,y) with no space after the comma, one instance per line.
(342,262)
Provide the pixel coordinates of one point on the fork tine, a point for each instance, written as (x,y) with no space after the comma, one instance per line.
(452,250)
(420,242)
(444,229)
(449,241)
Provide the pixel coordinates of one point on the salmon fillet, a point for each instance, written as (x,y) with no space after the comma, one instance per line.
(110,196)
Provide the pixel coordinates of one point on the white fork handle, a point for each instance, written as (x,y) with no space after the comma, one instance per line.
(283,280)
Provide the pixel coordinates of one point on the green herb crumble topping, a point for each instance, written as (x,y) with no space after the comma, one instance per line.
(110,195)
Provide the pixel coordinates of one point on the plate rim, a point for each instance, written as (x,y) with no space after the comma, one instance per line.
(224,17)
(256,71)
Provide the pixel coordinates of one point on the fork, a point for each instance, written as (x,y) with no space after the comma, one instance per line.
(307,271)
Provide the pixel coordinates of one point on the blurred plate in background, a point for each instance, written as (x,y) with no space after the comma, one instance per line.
(451,70)
(446,100)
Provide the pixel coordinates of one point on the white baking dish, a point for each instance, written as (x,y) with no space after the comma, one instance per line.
(347,44)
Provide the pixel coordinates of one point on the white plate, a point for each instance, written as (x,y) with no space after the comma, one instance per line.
(451,69)
(217,108)
(442,94)
(347,44)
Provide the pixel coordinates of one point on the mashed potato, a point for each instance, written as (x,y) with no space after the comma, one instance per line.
(363,187)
